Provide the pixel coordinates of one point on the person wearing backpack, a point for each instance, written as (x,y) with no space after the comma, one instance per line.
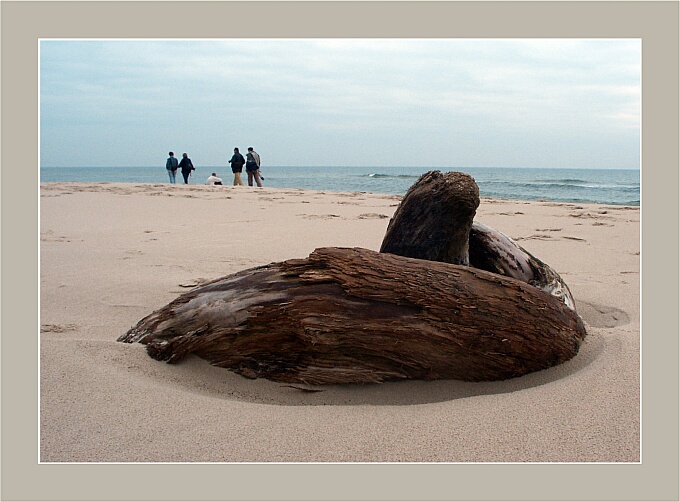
(253,167)
(186,166)
(171,166)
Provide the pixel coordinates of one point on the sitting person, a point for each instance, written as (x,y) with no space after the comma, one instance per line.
(213,180)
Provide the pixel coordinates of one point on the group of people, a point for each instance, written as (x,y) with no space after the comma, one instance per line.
(185,165)
(237,161)
(252,163)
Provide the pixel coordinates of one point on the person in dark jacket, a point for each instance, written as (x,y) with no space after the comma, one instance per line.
(186,166)
(171,166)
(237,162)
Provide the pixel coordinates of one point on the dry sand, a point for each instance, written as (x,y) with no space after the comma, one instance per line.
(112,253)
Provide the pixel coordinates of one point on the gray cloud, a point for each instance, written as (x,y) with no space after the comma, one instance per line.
(439,103)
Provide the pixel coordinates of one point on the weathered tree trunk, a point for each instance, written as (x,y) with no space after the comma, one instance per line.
(353,315)
(435,222)
(413,311)
(495,252)
(434,219)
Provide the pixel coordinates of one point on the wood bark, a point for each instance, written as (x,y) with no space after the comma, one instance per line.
(434,219)
(413,311)
(353,316)
(435,222)
(495,252)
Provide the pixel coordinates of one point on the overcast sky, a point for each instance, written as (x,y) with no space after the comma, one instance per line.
(327,102)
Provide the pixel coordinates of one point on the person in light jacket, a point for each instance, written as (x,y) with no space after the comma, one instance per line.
(253,167)
(213,180)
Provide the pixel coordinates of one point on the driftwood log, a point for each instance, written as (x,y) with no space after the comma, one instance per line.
(434,219)
(435,222)
(495,252)
(350,315)
(353,315)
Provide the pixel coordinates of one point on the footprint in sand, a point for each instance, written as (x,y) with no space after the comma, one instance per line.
(319,216)
(59,239)
(193,283)
(129,255)
(372,216)
(602,316)
(601,215)
(537,237)
(57,328)
(621,208)
(546,237)
(560,204)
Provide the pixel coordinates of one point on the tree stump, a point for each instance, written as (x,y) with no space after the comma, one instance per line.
(355,316)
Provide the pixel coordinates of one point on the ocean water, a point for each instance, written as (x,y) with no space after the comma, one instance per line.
(604,186)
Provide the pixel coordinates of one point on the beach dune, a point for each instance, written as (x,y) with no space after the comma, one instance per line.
(111,253)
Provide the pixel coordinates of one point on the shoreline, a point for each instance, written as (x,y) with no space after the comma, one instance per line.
(159,184)
(111,253)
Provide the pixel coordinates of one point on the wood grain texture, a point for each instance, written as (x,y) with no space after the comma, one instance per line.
(416,310)
(351,315)
(495,252)
(434,219)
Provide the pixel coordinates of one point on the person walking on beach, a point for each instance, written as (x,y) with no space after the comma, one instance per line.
(213,180)
(186,166)
(171,166)
(237,162)
(253,167)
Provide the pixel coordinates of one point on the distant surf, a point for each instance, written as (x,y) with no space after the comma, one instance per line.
(404,176)
(605,186)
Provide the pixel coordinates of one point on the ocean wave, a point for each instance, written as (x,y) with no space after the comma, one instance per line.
(563,197)
(394,176)
(566,181)
(561,184)
(588,185)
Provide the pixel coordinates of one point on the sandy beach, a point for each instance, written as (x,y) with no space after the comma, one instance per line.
(112,253)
